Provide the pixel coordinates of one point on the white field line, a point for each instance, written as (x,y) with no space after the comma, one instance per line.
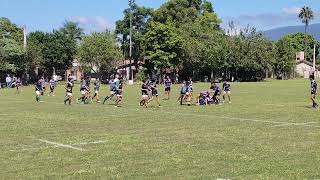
(56,146)
(295,124)
(61,145)
(87,143)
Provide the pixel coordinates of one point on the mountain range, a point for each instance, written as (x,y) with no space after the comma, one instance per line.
(278,33)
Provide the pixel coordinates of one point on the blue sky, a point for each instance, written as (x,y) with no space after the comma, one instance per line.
(96,15)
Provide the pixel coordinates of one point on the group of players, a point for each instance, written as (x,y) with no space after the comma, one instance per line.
(149,91)
(116,88)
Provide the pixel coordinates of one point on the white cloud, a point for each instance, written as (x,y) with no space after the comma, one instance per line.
(92,24)
(291,10)
(284,17)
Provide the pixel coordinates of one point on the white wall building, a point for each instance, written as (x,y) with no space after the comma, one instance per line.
(305,69)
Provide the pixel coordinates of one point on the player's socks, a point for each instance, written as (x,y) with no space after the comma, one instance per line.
(142,102)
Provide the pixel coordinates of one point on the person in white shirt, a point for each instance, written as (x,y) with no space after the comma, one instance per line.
(8,81)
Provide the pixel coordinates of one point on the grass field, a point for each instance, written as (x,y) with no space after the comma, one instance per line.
(268,132)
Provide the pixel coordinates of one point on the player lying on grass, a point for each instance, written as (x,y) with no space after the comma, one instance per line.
(202,99)
(314,88)
(69,88)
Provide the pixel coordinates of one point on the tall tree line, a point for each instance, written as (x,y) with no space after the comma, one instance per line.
(181,37)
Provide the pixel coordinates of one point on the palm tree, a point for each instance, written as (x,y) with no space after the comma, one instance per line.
(306,15)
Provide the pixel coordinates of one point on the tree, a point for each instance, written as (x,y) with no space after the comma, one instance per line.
(163,45)
(57,50)
(11,55)
(299,41)
(11,46)
(202,45)
(306,15)
(100,50)
(177,12)
(285,58)
(139,20)
(10,31)
(207,7)
(72,30)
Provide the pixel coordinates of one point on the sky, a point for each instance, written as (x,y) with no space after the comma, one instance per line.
(97,15)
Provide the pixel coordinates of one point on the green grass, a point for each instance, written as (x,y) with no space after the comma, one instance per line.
(242,140)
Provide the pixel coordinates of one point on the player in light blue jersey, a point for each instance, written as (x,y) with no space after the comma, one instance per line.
(113,88)
(96,90)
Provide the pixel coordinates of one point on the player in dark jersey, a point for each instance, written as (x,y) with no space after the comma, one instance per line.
(119,92)
(226,91)
(96,90)
(144,92)
(83,91)
(69,88)
(18,85)
(154,92)
(167,87)
(217,92)
(38,90)
(52,84)
(203,99)
(314,89)
(88,90)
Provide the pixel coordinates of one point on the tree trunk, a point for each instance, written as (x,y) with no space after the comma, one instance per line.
(305,41)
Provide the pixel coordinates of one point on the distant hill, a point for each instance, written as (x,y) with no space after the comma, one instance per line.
(278,33)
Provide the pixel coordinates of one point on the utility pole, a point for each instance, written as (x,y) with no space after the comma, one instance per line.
(314,61)
(130,51)
(25,37)
(314,57)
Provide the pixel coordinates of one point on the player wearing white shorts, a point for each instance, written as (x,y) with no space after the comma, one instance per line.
(226,91)
(96,90)
(69,88)
(113,90)
(119,92)
(38,90)
(144,93)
